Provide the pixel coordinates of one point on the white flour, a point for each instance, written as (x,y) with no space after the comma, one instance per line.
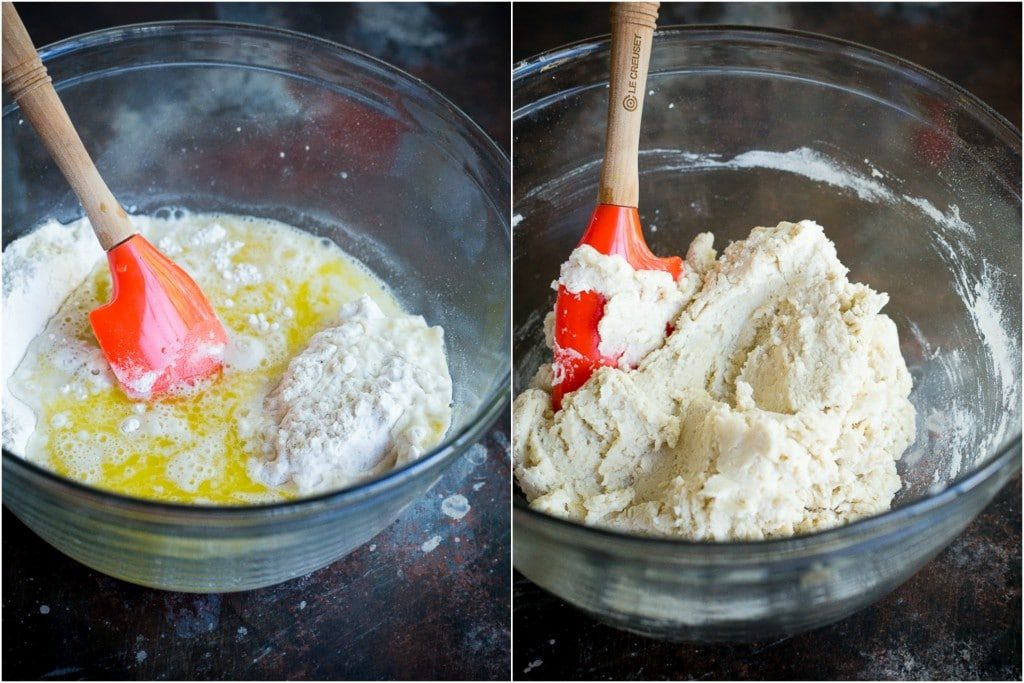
(364,396)
(39,270)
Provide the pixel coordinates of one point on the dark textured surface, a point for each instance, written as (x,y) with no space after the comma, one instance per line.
(960,616)
(426,599)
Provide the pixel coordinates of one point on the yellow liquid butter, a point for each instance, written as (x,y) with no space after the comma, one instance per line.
(273,287)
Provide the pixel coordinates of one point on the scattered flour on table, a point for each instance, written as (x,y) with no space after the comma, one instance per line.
(456,506)
(476,454)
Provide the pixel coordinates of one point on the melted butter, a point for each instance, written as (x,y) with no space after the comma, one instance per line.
(194,448)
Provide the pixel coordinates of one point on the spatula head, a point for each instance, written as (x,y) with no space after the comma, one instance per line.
(158,332)
(612,230)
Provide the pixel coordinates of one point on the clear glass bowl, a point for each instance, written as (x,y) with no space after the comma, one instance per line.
(249,120)
(916,181)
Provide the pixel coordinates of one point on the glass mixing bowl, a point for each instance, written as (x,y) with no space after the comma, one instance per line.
(916,181)
(249,120)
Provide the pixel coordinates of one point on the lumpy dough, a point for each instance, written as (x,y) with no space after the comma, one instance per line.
(778,404)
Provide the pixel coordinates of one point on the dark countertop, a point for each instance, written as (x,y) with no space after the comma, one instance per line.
(426,599)
(960,616)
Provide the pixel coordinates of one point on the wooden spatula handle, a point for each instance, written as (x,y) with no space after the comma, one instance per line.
(26,79)
(632,32)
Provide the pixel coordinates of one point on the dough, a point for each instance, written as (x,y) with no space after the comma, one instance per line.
(778,405)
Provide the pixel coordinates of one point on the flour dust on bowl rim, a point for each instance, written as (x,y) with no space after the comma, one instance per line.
(918,184)
(227,118)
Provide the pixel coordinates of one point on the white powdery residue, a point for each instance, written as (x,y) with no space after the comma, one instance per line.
(949,220)
(412,26)
(431,544)
(240,273)
(479,485)
(516,219)
(242,631)
(211,234)
(44,609)
(802,161)
(927,350)
(456,506)
(990,324)
(39,269)
(140,656)
(936,421)
(373,546)
(366,395)
(816,166)
(533,665)
(302,605)
(476,454)
(979,295)
(168,246)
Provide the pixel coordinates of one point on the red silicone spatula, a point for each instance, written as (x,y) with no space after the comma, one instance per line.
(615,226)
(158,332)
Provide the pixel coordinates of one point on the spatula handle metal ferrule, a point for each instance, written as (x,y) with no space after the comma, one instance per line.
(26,79)
(632,33)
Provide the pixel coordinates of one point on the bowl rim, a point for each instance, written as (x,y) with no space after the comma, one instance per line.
(552,58)
(485,416)
(863,530)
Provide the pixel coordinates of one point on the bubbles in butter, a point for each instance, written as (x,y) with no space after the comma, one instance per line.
(272,285)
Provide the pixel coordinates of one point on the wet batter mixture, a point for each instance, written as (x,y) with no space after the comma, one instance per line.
(326,380)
